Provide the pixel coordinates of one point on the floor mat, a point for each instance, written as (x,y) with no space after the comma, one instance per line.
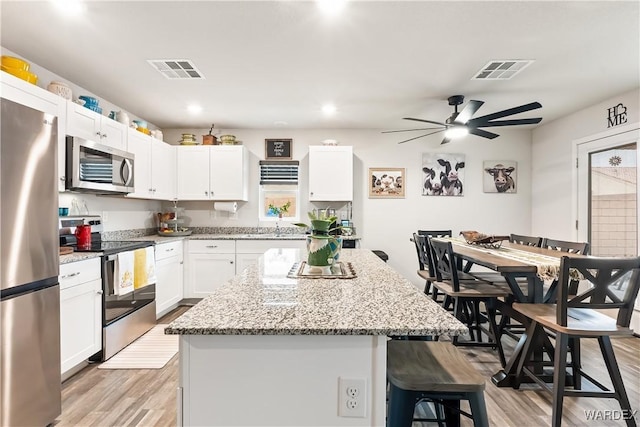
(151,351)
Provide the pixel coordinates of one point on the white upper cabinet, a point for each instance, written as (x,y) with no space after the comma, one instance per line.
(330,173)
(216,172)
(95,127)
(154,167)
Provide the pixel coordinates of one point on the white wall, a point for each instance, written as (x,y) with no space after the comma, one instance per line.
(388,224)
(552,201)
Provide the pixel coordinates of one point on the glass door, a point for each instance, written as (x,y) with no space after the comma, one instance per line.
(608,195)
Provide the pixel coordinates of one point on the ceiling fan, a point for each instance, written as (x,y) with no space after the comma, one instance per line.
(461,123)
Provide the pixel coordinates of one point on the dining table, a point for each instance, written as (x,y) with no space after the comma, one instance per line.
(532,275)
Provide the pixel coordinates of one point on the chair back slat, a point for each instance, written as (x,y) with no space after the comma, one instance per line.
(428,254)
(444,262)
(602,275)
(419,250)
(526,240)
(565,246)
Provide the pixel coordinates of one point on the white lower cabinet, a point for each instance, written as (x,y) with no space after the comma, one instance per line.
(243,261)
(211,263)
(169,275)
(80,312)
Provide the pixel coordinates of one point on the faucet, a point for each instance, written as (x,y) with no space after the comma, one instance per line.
(277,229)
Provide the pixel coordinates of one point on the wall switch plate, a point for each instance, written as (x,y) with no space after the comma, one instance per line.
(352,397)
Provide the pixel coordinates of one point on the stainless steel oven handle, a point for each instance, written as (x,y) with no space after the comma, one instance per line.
(126,171)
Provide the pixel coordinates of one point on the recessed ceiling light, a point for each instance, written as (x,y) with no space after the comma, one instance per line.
(194,109)
(329,109)
(331,7)
(69,7)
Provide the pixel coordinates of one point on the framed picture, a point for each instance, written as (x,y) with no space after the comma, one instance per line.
(277,149)
(443,174)
(386,183)
(500,176)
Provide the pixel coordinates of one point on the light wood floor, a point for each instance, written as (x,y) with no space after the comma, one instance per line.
(147,397)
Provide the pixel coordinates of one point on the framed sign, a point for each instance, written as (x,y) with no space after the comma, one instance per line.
(277,149)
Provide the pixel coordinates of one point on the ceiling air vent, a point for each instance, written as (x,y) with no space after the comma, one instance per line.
(279,172)
(502,69)
(176,68)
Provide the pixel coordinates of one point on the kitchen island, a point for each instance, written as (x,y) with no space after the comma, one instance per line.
(269,350)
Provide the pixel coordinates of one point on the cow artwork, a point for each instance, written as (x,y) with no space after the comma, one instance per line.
(500,176)
(386,183)
(443,174)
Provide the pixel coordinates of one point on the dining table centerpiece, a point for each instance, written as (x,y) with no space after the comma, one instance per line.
(323,248)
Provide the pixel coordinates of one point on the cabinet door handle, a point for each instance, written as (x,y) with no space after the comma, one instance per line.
(62,178)
(151,190)
(230,262)
(311,193)
(104,135)
(100,292)
(206,193)
(181,262)
(211,246)
(169,250)
(70,275)
(99,134)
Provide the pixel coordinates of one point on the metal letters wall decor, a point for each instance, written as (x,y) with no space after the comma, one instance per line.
(617,115)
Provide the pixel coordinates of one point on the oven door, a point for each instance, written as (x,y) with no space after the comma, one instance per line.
(119,306)
(93,167)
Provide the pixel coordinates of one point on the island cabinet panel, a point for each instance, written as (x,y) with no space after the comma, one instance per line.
(169,273)
(299,388)
(210,264)
(329,165)
(80,312)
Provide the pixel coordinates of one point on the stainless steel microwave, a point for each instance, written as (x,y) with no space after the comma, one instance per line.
(97,168)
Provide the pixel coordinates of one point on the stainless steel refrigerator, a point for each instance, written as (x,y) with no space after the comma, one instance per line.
(29,264)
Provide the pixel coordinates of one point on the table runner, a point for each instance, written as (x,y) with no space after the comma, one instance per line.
(548,267)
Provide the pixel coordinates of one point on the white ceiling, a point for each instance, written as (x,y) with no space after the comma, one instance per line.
(379,61)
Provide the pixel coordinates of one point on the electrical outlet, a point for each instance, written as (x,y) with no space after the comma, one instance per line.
(352,397)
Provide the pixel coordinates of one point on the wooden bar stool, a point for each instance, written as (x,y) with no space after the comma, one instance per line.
(436,371)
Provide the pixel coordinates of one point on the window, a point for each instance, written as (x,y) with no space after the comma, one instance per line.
(279,192)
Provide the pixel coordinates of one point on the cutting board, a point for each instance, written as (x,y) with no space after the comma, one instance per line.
(66,250)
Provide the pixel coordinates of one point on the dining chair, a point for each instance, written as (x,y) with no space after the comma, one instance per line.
(526,240)
(577,316)
(467,294)
(565,246)
(428,259)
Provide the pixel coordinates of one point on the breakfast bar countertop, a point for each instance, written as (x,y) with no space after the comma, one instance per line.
(264,301)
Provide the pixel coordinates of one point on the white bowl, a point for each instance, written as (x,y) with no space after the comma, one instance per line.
(330,142)
(60,89)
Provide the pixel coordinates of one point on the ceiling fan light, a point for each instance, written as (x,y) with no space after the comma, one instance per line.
(456,132)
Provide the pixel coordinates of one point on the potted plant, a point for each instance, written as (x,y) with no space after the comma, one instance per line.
(322,247)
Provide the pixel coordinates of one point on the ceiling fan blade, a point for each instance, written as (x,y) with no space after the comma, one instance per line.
(405,130)
(426,134)
(426,121)
(508,112)
(445,140)
(514,122)
(468,111)
(483,133)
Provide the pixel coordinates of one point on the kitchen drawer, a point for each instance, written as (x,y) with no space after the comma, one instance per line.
(167,250)
(212,246)
(75,273)
(261,246)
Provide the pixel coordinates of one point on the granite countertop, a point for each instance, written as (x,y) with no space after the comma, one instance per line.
(232,236)
(78,256)
(263,301)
